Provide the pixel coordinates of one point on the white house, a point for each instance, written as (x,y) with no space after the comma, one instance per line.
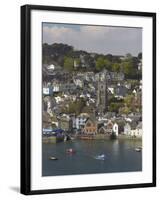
(110,128)
(115,129)
(56,87)
(133,130)
(80,120)
(137,131)
(47,90)
(127,129)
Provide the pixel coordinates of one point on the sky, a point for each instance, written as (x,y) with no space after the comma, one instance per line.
(92,38)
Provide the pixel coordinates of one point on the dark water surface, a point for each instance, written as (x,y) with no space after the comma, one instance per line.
(120,157)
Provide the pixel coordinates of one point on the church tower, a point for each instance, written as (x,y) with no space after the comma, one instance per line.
(102,97)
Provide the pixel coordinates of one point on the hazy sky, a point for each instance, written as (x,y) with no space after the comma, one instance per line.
(99,39)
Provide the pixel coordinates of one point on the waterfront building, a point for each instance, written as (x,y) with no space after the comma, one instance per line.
(90,127)
(133,129)
(115,129)
(127,129)
(137,131)
(102,129)
(81,120)
(109,128)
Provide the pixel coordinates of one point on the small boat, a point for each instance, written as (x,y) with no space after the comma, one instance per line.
(70,151)
(138,149)
(100,157)
(53,158)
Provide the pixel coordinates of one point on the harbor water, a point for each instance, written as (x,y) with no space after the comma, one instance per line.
(120,156)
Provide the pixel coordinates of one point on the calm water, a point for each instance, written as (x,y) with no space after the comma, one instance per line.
(120,157)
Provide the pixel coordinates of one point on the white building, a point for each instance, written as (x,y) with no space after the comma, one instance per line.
(47,90)
(80,120)
(138,131)
(115,129)
(56,87)
(132,130)
(127,129)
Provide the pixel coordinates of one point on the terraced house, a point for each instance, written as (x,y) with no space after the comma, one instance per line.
(90,127)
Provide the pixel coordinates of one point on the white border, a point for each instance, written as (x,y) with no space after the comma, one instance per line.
(42,183)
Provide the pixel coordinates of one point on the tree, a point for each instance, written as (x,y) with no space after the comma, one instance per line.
(109,57)
(76,107)
(129,69)
(124,110)
(133,103)
(140,55)
(116,67)
(102,63)
(68,63)
(77,63)
(114,107)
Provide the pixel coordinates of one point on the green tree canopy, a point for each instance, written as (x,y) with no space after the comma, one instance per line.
(68,63)
(129,68)
(102,63)
(76,107)
(116,67)
(114,107)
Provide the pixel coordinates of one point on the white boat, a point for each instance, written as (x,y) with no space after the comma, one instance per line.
(138,149)
(100,157)
(53,158)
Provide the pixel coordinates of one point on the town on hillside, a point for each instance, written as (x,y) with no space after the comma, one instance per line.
(90,95)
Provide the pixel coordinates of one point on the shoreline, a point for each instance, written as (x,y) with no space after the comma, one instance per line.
(54,139)
(109,137)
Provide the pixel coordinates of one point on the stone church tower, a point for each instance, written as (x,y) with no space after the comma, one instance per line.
(102,97)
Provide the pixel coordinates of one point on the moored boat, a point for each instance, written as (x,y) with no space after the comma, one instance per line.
(70,151)
(53,158)
(138,149)
(100,157)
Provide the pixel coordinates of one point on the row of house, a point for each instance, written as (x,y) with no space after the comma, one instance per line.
(132,129)
(119,91)
(89,125)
